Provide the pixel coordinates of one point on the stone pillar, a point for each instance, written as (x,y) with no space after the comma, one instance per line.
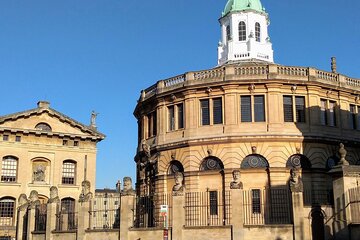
(126,215)
(20,225)
(178,216)
(51,212)
(237,219)
(31,222)
(83,218)
(344,178)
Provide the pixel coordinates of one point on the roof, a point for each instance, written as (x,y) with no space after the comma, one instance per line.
(241,5)
(52,112)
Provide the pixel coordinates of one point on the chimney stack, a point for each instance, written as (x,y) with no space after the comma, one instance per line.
(333,64)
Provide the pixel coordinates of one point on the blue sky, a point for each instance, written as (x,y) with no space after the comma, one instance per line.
(84,55)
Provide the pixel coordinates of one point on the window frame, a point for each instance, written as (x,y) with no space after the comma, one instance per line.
(296,117)
(253,109)
(210,121)
(257,32)
(7,213)
(65,179)
(13,171)
(151,124)
(354,116)
(228,33)
(175,121)
(242,31)
(328,114)
(256,207)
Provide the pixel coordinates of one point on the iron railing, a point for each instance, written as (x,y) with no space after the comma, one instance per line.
(210,208)
(105,219)
(66,221)
(267,206)
(147,214)
(40,218)
(318,197)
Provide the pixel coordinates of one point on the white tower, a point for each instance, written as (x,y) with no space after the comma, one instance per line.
(244,33)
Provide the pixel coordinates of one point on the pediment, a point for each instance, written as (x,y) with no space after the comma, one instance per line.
(47,121)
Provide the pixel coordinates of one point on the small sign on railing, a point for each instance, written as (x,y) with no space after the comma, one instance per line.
(164,211)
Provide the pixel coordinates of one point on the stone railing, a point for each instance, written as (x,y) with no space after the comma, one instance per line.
(250,73)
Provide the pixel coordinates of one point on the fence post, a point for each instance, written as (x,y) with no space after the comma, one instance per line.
(83,218)
(20,226)
(126,215)
(237,219)
(178,216)
(298,218)
(51,212)
(31,222)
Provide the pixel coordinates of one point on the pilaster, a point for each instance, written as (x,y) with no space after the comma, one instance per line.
(126,215)
(178,214)
(237,219)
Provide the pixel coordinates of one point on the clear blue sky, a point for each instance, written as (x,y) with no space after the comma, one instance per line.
(98,54)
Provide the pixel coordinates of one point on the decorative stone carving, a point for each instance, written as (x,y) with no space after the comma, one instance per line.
(236,183)
(127,187)
(34,199)
(39,173)
(85,195)
(148,160)
(296,184)
(253,149)
(293,88)
(23,202)
(178,189)
(342,152)
(209,152)
(54,195)
(251,88)
(93,119)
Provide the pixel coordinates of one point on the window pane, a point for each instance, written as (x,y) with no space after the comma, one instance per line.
(332,117)
(300,109)
(228,33)
(242,31)
(352,117)
(256,207)
(213,202)
(7,206)
(246,109)
(9,169)
(217,110)
(154,124)
(68,176)
(288,109)
(257,32)
(205,116)
(180,109)
(171,118)
(358,118)
(323,117)
(259,109)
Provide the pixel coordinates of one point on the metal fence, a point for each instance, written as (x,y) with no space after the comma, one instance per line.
(210,208)
(354,196)
(267,206)
(66,221)
(318,197)
(105,219)
(40,218)
(147,212)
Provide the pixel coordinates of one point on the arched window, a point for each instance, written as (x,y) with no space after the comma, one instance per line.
(228,33)
(68,208)
(257,32)
(298,161)
(175,166)
(9,169)
(254,161)
(242,31)
(7,211)
(43,127)
(211,163)
(68,172)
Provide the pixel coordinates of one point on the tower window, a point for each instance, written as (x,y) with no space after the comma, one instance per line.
(242,31)
(257,32)
(228,33)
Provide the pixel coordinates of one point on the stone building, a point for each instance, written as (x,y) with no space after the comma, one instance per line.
(39,149)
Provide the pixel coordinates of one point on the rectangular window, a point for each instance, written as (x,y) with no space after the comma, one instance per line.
(300,109)
(154,124)
(246,109)
(352,117)
(288,109)
(180,116)
(358,118)
(332,116)
(217,111)
(65,142)
(171,118)
(323,116)
(68,175)
(5,137)
(205,113)
(152,127)
(7,207)
(256,201)
(17,138)
(9,169)
(259,109)
(213,199)
(76,143)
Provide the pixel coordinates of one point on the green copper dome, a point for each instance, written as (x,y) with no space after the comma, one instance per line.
(240,5)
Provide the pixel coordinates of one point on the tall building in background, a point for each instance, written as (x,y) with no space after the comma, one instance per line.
(41,148)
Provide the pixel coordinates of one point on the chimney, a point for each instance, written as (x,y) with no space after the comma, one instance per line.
(43,104)
(118,186)
(333,64)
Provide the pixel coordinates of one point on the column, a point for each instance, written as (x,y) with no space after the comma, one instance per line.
(237,219)
(178,215)
(126,215)
(21,223)
(51,212)
(83,218)
(31,222)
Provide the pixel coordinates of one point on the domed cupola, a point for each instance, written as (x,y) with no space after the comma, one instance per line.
(244,33)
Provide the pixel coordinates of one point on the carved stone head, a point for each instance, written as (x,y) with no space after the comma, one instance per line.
(85,187)
(127,185)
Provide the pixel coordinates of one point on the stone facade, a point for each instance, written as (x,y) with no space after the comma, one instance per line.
(39,149)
